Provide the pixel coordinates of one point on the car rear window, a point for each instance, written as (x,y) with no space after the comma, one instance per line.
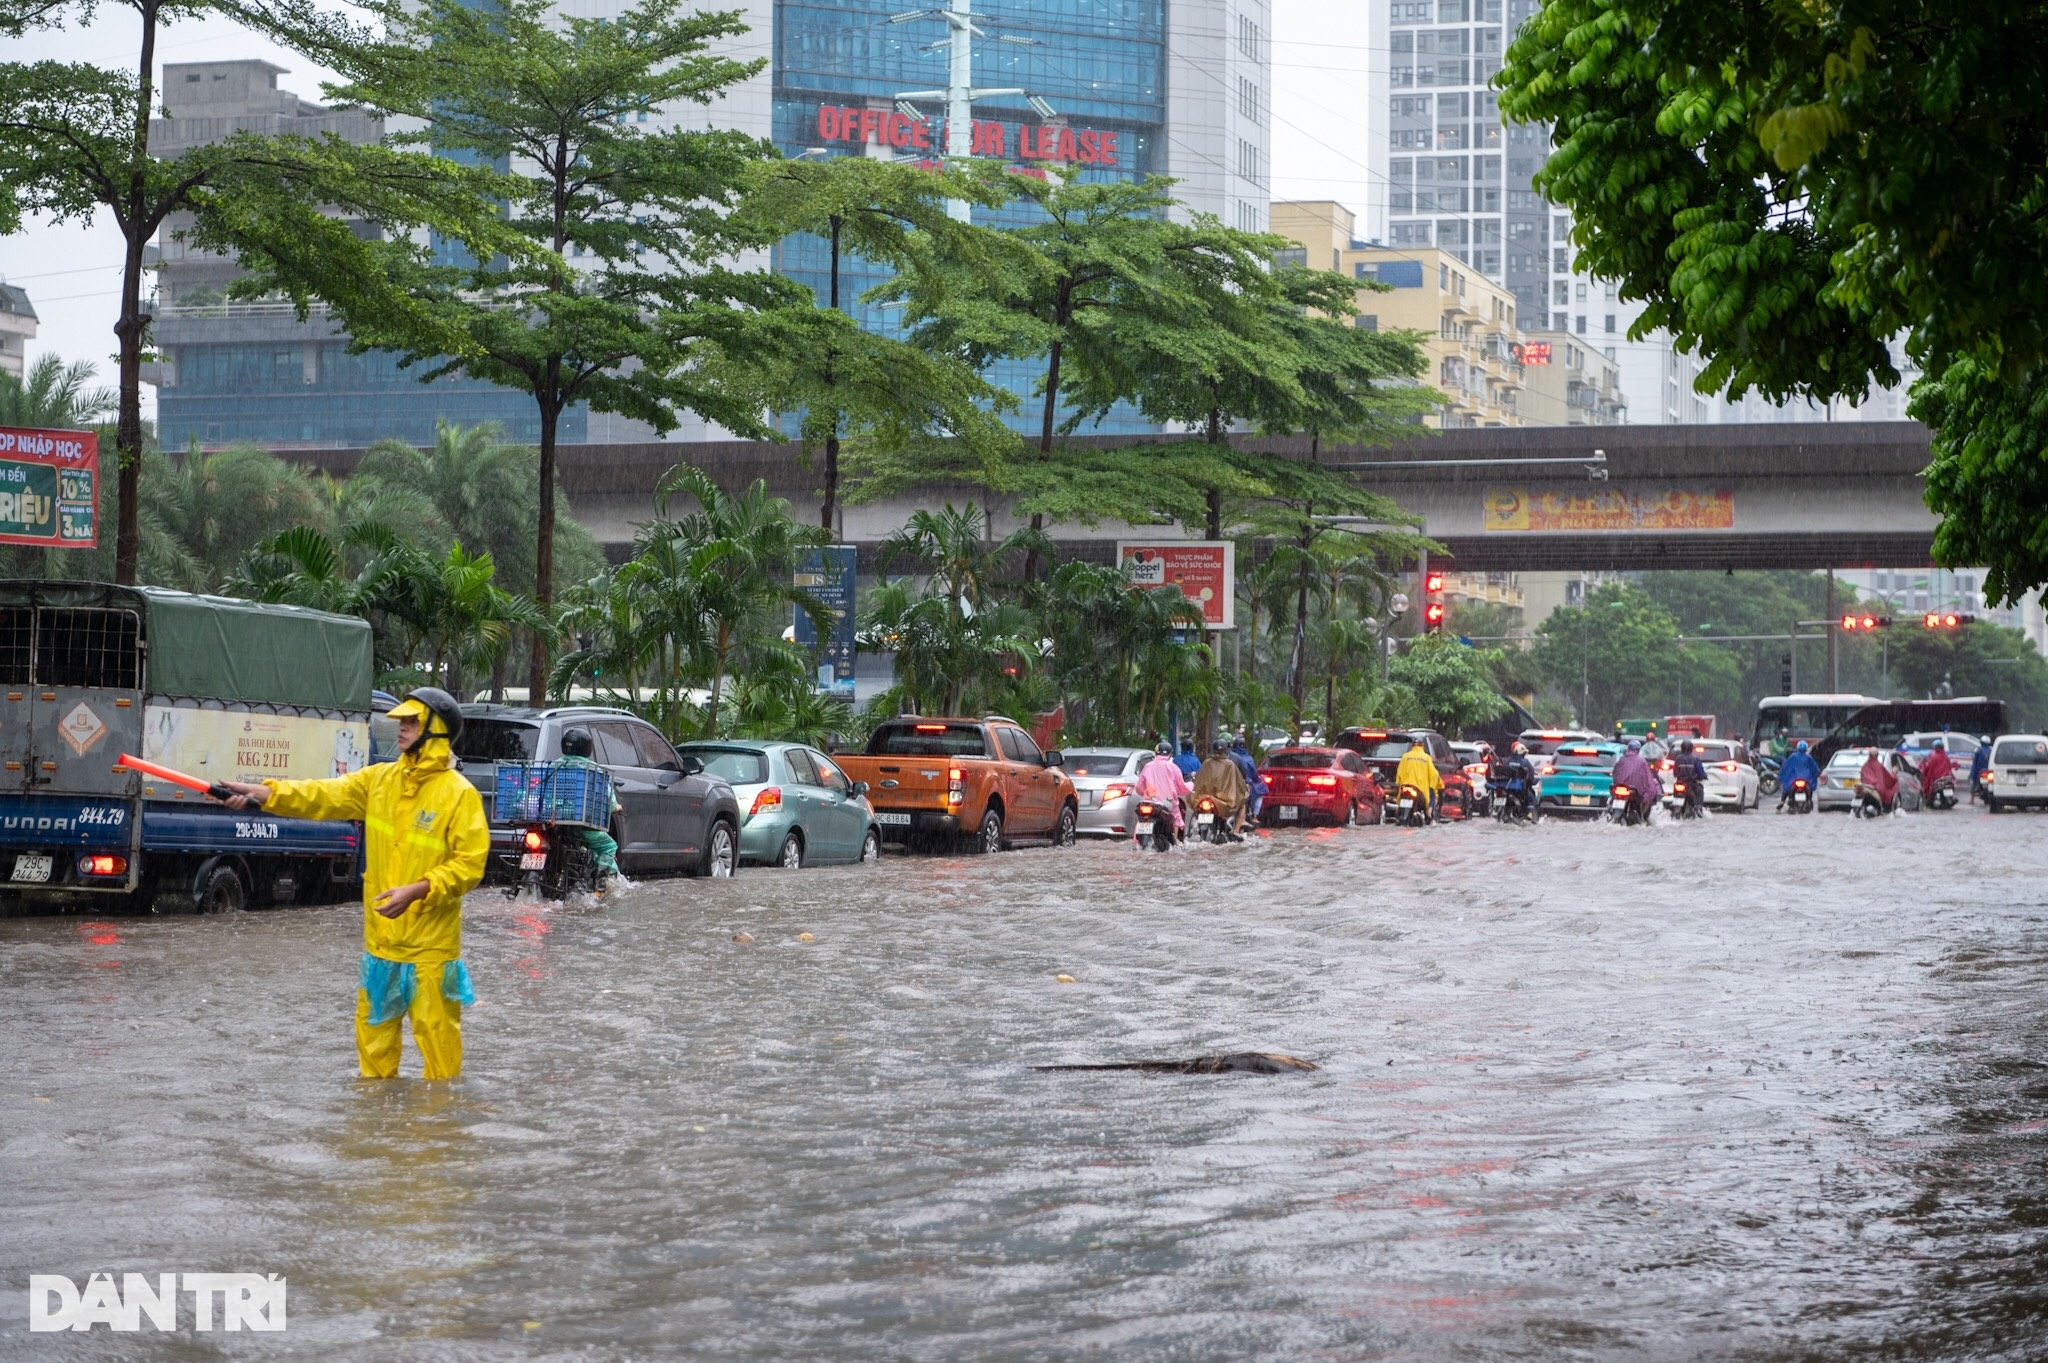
(1852,760)
(1584,757)
(737,765)
(1085,762)
(497,740)
(1300,761)
(2020,752)
(1953,743)
(928,740)
(1391,747)
(1541,745)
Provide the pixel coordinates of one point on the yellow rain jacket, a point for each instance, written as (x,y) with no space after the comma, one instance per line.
(1419,771)
(422,820)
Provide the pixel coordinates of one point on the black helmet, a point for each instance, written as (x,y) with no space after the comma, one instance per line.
(1685,746)
(439,705)
(576,743)
(1163,748)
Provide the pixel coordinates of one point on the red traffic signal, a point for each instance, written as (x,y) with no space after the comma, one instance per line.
(1946,619)
(1853,621)
(1433,615)
(1433,582)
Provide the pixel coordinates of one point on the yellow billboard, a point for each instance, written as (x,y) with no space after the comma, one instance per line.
(235,745)
(1539,510)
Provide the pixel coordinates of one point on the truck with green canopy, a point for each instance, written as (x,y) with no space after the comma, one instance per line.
(213,686)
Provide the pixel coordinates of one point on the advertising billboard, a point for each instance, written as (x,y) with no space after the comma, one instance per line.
(1541,510)
(242,745)
(49,486)
(828,575)
(1205,570)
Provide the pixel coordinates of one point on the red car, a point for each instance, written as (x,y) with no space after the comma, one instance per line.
(1317,785)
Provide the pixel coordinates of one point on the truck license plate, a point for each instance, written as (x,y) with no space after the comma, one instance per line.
(30,866)
(1290,811)
(886,816)
(533,861)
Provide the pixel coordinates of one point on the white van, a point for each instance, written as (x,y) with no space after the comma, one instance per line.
(2018,774)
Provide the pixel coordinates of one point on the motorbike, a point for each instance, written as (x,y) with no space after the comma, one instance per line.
(1870,805)
(1510,800)
(1410,806)
(1212,823)
(1154,825)
(554,862)
(1691,803)
(1799,800)
(1767,775)
(1623,807)
(1942,794)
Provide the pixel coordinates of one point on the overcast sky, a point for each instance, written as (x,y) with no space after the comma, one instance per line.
(72,272)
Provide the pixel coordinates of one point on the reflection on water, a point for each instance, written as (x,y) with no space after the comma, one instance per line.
(1764,1088)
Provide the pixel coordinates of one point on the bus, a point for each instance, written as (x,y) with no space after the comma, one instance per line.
(1881,724)
(1782,721)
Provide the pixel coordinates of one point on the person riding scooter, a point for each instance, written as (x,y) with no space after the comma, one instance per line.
(1161,780)
(1418,769)
(1797,766)
(1690,774)
(1878,778)
(1220,780)
(1632,769)
(1937,767)
(1252,780)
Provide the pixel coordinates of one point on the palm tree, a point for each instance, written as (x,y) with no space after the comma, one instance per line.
(204,513)
(743,555)
(54,395)
(950,548)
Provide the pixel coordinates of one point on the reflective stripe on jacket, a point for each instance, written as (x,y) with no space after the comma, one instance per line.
(422,820)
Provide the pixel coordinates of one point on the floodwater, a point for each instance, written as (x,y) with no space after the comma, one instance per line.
(1761,1088)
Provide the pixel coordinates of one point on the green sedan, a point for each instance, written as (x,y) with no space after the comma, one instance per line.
(796,807)
(1576,779)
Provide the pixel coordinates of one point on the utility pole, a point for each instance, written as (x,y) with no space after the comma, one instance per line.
(960,92)
(1834,654)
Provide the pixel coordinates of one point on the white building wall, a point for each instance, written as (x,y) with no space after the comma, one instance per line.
(1219,108)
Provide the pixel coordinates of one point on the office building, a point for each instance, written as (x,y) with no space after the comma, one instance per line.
(1566,382)
(232,371)
(17,329)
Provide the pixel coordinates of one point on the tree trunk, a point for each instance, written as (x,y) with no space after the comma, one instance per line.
(132,328)
(544,546)
(717,680)
(1045,428)
(826,513)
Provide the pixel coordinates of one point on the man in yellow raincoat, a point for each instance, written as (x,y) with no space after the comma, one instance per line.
(425,844)
(1418,769)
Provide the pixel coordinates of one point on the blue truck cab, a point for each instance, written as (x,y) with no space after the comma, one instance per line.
(216,687)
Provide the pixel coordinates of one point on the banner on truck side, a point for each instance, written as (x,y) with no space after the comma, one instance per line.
(235,745)
(1204,570)
(49,488)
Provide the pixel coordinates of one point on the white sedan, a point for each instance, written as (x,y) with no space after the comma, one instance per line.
(1732,779)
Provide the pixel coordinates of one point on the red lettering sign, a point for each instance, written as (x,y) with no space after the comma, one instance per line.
(1034,142)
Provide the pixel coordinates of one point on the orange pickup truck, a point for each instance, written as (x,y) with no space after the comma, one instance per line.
(935,780)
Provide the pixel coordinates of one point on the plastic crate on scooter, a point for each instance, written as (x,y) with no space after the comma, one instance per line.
(551,792)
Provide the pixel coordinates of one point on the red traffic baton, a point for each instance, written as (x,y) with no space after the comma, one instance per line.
(177,778)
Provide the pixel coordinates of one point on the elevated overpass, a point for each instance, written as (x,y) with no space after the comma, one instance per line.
(1789,495)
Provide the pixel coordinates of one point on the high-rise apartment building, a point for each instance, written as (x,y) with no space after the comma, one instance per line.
(17,328)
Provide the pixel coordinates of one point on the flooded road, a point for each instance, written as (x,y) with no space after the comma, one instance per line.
(1761,1088)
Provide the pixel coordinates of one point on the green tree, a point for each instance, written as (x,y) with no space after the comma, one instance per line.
(207,511)
(1113,657)
(846,381)
(54,395)
(1453,682)
(1979,659)
(1788,186)
(74,140)
(619,281)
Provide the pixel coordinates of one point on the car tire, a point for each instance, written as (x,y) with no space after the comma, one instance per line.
(220,891)
(1990,805)
(1063,832)
(1350,814)
(721,851)
(871,847)
(988,837)
(791,857)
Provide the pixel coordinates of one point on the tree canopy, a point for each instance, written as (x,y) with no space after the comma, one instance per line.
(1789,186)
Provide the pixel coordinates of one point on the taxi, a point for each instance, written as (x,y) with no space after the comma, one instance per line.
(1575,779)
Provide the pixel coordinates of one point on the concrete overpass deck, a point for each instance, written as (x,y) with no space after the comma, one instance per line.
(1787,495)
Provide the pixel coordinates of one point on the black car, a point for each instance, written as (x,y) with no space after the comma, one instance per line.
(675,818)
(1383,750)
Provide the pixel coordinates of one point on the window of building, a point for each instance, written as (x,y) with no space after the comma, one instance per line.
(1248,37)
(1558,321)
(1610,324)
(1248,161)
(1582,324)
(1452,11)
(1410,233)
(1581,291)
(1248,100)
(1443,276)
(1366,321)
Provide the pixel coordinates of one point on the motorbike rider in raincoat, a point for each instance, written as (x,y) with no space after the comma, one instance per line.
(1878,778)
(1632,769)
(1980,762)
(1252,780)
(1220,779)
(1689,771)
(1938,764)
(425,845)
(1798,765)
(1161,780)
(1418,769)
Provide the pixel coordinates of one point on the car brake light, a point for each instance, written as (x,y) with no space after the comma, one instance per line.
(930,728)
(770,797)
(956,785)
(1549,769)
(1727,766)
(535,840)
(102,864)
(1115,792)
(1322,780)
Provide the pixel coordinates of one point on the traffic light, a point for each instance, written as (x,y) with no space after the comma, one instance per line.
(1855,622)
(1784,674)
(1433,608)
(1946,619)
